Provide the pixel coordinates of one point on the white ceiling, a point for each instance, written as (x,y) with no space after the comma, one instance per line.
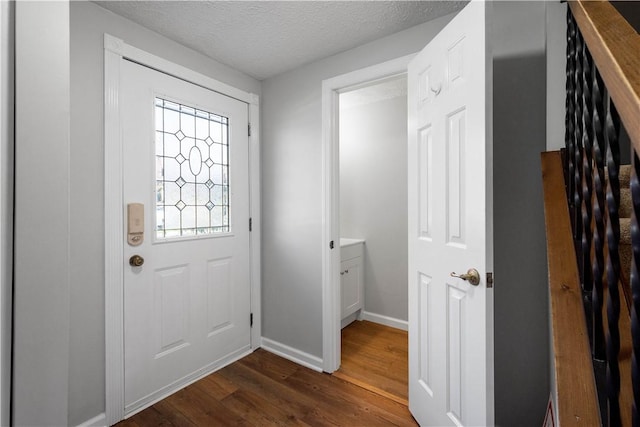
(266,38)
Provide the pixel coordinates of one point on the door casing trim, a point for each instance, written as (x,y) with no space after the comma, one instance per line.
(331,88)
(115,51)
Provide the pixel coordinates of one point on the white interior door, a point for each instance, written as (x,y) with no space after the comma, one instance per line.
(187,307)
(450,222)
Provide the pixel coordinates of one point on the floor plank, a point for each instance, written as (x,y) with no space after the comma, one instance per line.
(349,404)
(263,389)
(375,356)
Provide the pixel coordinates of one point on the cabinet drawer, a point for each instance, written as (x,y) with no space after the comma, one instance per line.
(351,251)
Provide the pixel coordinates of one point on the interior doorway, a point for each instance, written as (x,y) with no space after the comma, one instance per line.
(373,238)
(373,196)
(331,262)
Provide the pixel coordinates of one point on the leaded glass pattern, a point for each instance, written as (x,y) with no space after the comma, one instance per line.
(192,171)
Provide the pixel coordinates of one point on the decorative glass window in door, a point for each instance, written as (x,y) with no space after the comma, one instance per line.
(192,171)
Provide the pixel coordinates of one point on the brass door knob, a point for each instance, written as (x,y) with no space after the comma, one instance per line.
(136,261)
(472,276)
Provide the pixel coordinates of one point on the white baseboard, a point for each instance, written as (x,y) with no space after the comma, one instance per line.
(386,320)
(97,421)
(351,318)
(300,357)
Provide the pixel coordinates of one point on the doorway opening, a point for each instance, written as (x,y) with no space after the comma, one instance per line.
(373,238)
(386,74)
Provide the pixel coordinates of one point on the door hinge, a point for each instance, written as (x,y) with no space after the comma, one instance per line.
(489,280)
(249,129)
(250,224)
(331,244)
(251,320)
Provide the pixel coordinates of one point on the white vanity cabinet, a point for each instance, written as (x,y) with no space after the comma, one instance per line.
(351,279)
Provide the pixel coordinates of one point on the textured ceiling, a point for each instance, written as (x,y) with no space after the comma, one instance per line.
(266,38)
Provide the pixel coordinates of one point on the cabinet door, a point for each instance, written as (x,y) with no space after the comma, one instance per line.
(350,280)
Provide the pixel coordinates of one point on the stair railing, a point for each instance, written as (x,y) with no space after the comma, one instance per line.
(602,109)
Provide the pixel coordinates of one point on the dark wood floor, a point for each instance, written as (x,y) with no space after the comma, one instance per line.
(263,389)
(375,357)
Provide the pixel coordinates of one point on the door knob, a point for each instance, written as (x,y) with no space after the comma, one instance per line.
(472,276)
(136,261)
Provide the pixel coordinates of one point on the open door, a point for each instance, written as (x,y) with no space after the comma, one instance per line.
(450,226)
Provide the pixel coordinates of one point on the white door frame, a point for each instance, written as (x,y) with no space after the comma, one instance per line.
(331,88)
(116,51)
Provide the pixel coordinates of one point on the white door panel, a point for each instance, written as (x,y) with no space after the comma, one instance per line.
(187,307)
(450,320)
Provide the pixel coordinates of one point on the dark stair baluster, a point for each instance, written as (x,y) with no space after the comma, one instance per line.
(570,115)
(589,205)
(635,285)
(577,159)
(611,129)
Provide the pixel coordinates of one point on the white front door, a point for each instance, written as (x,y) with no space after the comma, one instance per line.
(187,307)
(450,222)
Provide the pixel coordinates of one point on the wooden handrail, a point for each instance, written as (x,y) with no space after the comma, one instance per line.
(615,47)
(577,402)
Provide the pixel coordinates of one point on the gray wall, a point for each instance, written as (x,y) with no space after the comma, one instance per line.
(41,306)
(521,291)
(292,186)
(373,198)
(60,301)
(7,21)
(556,45)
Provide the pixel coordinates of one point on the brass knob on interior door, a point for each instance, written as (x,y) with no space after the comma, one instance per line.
(136,261)
(472,276)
